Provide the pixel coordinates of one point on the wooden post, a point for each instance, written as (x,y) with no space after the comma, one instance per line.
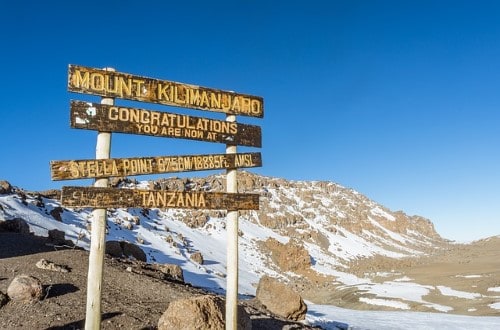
(232,246)
(98,237)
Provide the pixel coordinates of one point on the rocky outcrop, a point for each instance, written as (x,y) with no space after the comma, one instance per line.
(290,257)
(202,312)
(5,187)
(171,271)
(51,193)
(51,266)
(197,257)
(280,299)
(16,225)
(125,249)
(286,205)
(58,237)
(56,213)
(196,218)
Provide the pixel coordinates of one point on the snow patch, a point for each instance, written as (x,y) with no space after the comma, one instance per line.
(469,276)
(495,306)
(334,318)
(378,211)
(384,302)
(403,279)
(446,291)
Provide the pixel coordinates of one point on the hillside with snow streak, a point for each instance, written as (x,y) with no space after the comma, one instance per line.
(330,243)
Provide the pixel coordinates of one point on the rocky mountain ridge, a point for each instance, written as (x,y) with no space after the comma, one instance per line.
(316,215)
(325,241)
(314,211)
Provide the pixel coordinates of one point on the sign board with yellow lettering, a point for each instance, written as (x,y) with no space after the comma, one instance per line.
(110,118)
(97,197)
(119,167)
(122,85)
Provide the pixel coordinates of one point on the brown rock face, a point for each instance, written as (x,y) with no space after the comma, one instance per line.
(289,257)
(16,225)
(51,193)
(114,249)
(285,207)
(56,213)
(57,237)
(196,219)
(5,187)
(281,300)
(173,271)
(202,312)
(25,288)
(123,248)
(132,250)
(197,257)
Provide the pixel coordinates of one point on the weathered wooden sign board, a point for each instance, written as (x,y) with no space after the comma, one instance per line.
(107,118)
(126,86)
(122,198)
(117,167)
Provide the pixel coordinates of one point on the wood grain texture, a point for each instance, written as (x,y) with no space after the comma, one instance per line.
(121,167)
(132,87)
(123,198)
(104,118)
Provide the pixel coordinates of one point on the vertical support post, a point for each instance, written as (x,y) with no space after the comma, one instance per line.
(98,237)
(232,246)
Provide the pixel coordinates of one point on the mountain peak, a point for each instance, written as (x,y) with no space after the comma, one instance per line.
(318,236)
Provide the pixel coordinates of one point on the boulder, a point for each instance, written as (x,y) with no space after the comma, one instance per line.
(56,213)
(172,271)
(202,312)
(125,249)
(57,237)
(16,225)
(114,249)
(5,187)
(132,250)
(25,288)
(280,300)
(197,257)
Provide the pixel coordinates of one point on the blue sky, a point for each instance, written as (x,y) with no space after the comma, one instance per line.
(399,100)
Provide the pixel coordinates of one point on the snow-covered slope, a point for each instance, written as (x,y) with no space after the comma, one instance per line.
(304,232)
(333,224)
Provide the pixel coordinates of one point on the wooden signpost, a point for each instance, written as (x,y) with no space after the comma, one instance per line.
(106,117)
